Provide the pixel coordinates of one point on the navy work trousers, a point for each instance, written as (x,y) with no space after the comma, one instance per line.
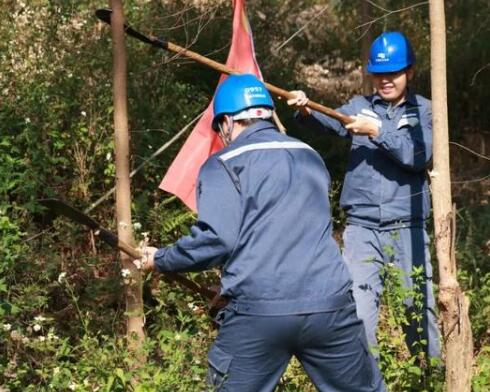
(367,252)
(252,352)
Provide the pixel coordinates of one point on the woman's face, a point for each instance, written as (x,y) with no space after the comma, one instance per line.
(392,86)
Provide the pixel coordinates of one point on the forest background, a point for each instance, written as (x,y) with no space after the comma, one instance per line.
(61,291)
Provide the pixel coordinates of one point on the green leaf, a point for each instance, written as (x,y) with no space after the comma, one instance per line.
(120,374)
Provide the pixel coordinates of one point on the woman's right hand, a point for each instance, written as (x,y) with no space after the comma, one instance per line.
(299,102)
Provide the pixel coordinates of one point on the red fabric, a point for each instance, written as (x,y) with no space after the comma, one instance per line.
(181,177)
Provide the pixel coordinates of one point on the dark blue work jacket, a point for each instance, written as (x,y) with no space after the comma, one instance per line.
(264,215)
(385,186)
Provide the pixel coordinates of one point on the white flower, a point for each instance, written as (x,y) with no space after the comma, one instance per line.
(125,273)
(83,113)
(177,337)
(61,277)
(25,339)
(72,386)
(52,336)
(137,226)
(7,327)
(42,338)
(16,335)
(27,120)
(108,156)
(56,370)
(36,327)
(40,319)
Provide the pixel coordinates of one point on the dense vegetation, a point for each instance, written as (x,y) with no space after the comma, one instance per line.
(61,302)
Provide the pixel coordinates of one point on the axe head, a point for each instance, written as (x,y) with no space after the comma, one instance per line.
(104,14)
(59,207)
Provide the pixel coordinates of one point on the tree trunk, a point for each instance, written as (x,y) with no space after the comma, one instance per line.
(367,85)
(134,297)
(453,304)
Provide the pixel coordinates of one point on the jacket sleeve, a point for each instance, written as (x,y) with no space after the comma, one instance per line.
(323,123)
(410,147)
(212,239)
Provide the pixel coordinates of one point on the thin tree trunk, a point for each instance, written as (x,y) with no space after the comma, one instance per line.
(134,301)
(453,304)
(367,85)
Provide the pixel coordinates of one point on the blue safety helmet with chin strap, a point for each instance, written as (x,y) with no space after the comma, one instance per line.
(239,93)
(390,52)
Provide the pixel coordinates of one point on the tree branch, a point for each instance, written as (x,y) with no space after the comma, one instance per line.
(390,12)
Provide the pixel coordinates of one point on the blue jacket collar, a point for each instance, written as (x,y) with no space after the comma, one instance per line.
(257,127)
(410,98)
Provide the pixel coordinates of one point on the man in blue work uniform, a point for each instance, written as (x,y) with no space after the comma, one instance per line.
(264,216)
(385,192)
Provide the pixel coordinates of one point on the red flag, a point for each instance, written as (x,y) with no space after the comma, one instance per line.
(182,174)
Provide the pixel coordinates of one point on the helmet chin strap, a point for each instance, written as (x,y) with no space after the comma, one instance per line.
(226,135)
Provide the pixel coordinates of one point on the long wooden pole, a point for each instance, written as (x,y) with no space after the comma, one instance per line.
(273,89)
(104,15)
(453,304)
(134,292)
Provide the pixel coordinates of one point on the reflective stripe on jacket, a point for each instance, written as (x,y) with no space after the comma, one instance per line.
(264,215)
(386,184)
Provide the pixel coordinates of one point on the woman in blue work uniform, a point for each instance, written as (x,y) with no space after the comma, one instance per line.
(385,192)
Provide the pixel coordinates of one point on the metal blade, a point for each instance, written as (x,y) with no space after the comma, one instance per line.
(104,14)
(61,208)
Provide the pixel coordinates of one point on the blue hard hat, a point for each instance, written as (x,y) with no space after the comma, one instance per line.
(390,52)
(237,93)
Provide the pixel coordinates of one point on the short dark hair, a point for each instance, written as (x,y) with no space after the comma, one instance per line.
(251,121)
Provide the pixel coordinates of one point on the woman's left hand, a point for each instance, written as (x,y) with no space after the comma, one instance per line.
(362,126)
